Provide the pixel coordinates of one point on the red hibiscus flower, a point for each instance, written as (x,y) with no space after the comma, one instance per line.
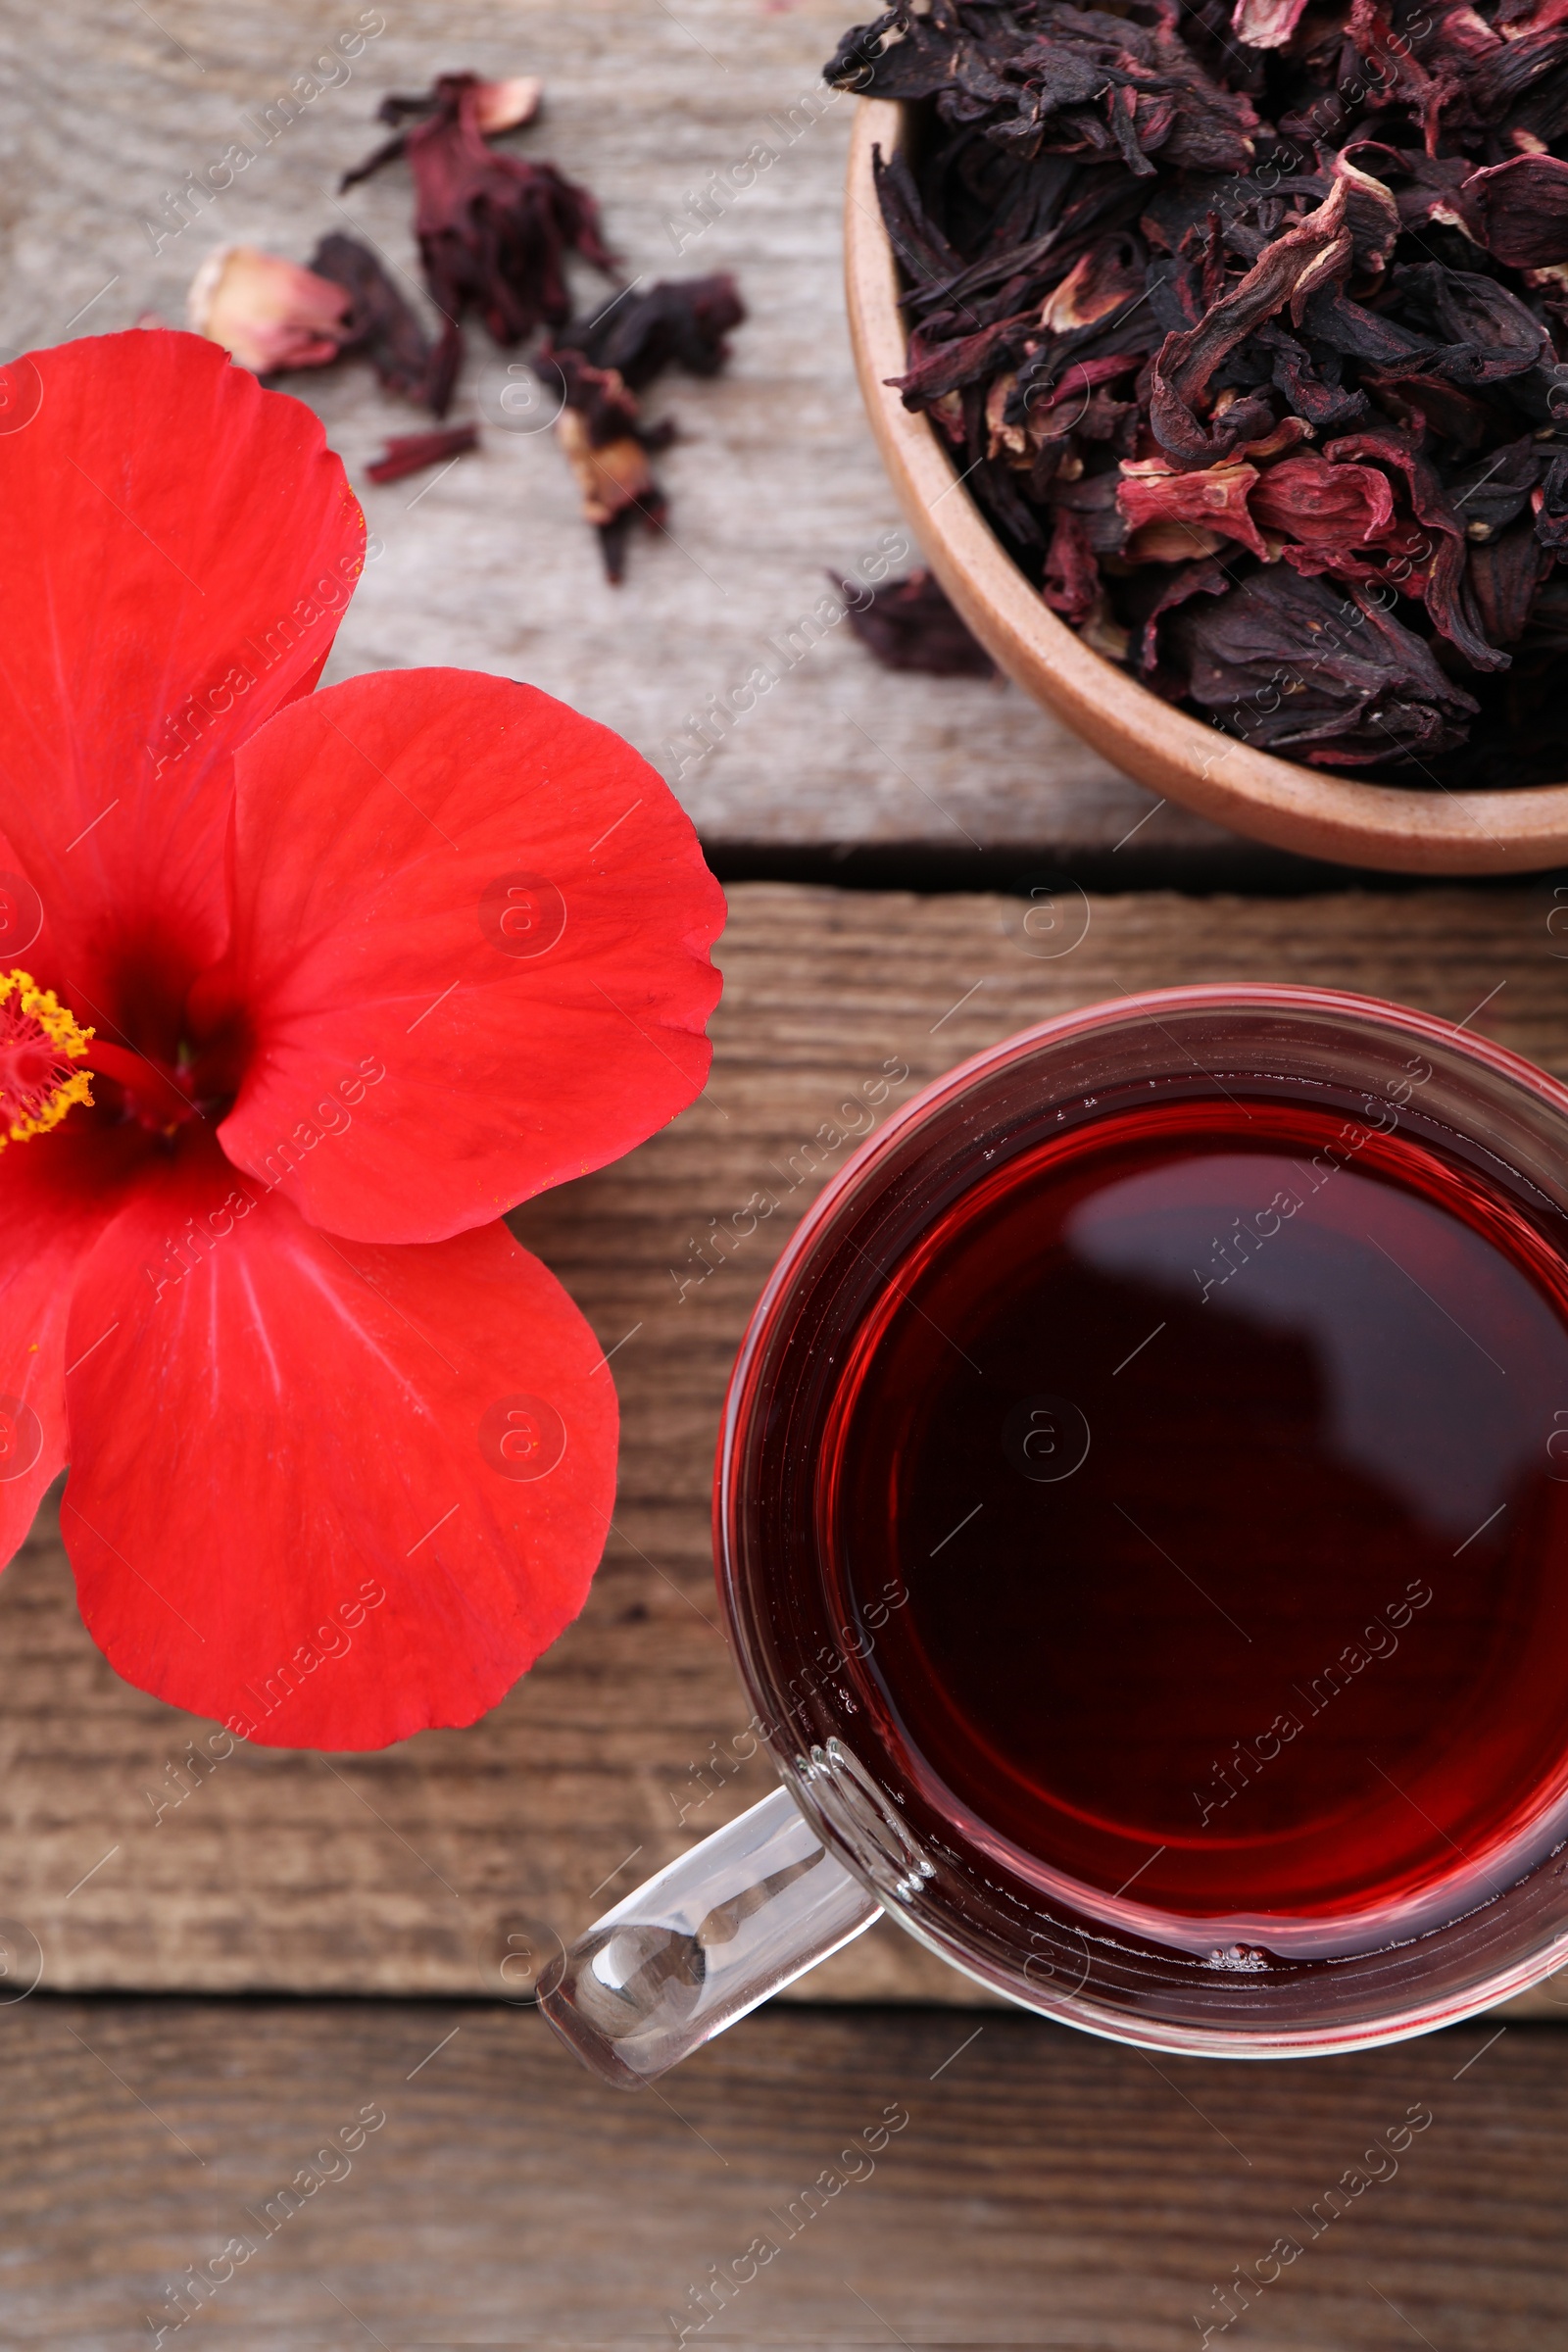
(353,972)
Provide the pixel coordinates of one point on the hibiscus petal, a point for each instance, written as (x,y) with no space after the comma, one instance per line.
(162,593)
(1307,498)
(457,894)
(1213,498)
(329,1493)
(56,1193)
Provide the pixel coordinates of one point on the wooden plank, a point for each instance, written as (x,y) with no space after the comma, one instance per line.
(1032,2188)
(776,478)
(428,1867)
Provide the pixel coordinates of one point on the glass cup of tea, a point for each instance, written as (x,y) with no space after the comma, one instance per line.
(1141,1524)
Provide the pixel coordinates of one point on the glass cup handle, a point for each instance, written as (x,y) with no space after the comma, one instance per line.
(741,1915)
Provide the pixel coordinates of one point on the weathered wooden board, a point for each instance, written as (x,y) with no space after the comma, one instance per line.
(439,1864)
(105,113)
(876,2179)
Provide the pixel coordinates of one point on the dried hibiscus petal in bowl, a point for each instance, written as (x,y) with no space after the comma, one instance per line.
(1248,328)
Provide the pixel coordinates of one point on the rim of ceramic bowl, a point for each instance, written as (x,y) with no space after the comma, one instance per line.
(1314,812)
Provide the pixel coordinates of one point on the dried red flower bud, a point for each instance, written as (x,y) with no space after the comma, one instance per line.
(602,363)
(1292,667)
(380,323)
(1505,572)
(1522,207)
(680,322)
(598,395)
(1215,499)
(509,104)
(494,229)
(1267,23)
(1073,576)
(411,453)
(607,450)
(617,486)
(1307,498)
(266,314)
(1314,251)
(909,624)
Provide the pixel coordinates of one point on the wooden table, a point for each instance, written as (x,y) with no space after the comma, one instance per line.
(1045,2189)
(224,1985)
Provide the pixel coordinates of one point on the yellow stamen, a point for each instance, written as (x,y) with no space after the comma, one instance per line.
(39,1040)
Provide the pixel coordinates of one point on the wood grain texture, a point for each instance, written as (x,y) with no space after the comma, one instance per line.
(776,478)
(447,1863)
(1039,2188)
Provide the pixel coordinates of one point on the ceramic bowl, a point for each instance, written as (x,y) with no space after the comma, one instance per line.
(1419,829)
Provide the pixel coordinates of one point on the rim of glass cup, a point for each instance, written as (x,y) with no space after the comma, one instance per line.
(1545,1101)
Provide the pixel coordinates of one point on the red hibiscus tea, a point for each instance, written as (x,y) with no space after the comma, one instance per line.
(1139,1524)
(1217,1449)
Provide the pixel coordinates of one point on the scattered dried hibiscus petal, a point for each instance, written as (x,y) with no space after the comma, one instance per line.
(499,106)
(617,486)
(607,447)
(507,105)
(380,324)
(909,624)
(678,322)
(1247,330)
(494,231)
(411,453)
(267,314)
(600,364)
